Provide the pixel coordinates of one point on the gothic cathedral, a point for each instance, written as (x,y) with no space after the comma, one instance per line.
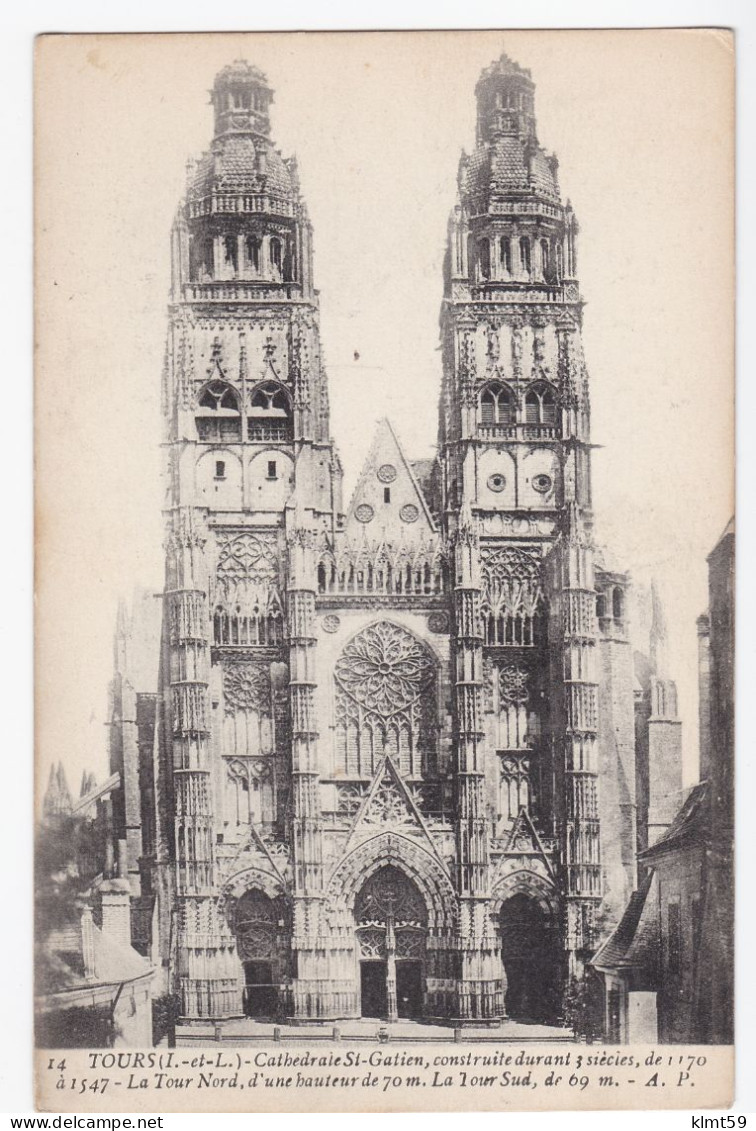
(395,759)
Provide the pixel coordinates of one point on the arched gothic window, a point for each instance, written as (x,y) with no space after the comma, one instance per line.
(484,259)
(276,255)
(540,405)
(514,786)
(231,253)
(218,419)
(505,253)
(497,405)
(270,413)
(525,253)
(618,604)
(252,246)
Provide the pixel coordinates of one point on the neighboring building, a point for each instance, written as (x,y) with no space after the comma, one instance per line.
(668,966)
(96,990)
(92,989)
(716,965)
(658,735)
(132,757)
(390,766)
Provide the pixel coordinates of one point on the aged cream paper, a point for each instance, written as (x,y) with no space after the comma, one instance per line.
(642,126)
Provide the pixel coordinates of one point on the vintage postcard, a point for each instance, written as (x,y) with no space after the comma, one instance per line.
(385,549)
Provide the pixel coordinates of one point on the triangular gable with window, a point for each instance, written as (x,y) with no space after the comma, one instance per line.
(389,805)
(387,503)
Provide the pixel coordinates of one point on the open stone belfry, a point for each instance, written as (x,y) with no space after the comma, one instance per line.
(394,758)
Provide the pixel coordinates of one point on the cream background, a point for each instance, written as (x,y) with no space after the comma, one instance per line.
(642,125)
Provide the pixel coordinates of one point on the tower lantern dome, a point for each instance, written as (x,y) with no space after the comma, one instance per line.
(241,98)
(506,103)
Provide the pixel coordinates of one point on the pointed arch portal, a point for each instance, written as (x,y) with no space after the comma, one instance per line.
(530,954)
(259,923)
(391,923)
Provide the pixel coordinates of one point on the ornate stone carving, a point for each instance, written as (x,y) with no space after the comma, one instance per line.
(438,623)
(539,345)
(511,580)
(246,687)
(384,669)
(517,350)
(426,870)
(513,684)
(372,942)
(492,345)
(388,806)
(399,568)
(489,680)
(389,895)
(247,556)
(256,924)
(349,798)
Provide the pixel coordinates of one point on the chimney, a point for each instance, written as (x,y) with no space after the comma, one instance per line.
(87,944)
(115,902)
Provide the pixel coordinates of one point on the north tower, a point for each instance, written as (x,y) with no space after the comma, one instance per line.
(251,476)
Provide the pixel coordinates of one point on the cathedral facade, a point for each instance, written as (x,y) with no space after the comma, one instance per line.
(392,768)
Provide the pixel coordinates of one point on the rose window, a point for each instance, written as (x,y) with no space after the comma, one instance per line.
(385,702)
(384,669)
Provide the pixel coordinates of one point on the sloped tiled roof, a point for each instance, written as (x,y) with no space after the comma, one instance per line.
(688,827)
(232,165)
(633,942)
(502,166)
(69,967)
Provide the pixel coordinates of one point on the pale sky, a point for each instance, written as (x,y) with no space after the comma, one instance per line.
(641,123)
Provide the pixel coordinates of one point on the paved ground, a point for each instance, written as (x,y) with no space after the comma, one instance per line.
(243,1030)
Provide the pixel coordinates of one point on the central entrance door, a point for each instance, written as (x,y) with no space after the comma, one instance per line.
(373,989)
(391,921)
(409,988)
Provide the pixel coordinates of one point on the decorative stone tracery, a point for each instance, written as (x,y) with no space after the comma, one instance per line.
(385,669)
(422,867)
(246,687)
(513,684)
(512,596)
(385,678)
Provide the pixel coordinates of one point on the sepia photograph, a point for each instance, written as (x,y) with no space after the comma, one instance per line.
(385,569)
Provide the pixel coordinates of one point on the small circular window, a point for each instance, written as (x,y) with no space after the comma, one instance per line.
(409,513)
(497,482)
(542,483)
(386,473)
(364,512)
